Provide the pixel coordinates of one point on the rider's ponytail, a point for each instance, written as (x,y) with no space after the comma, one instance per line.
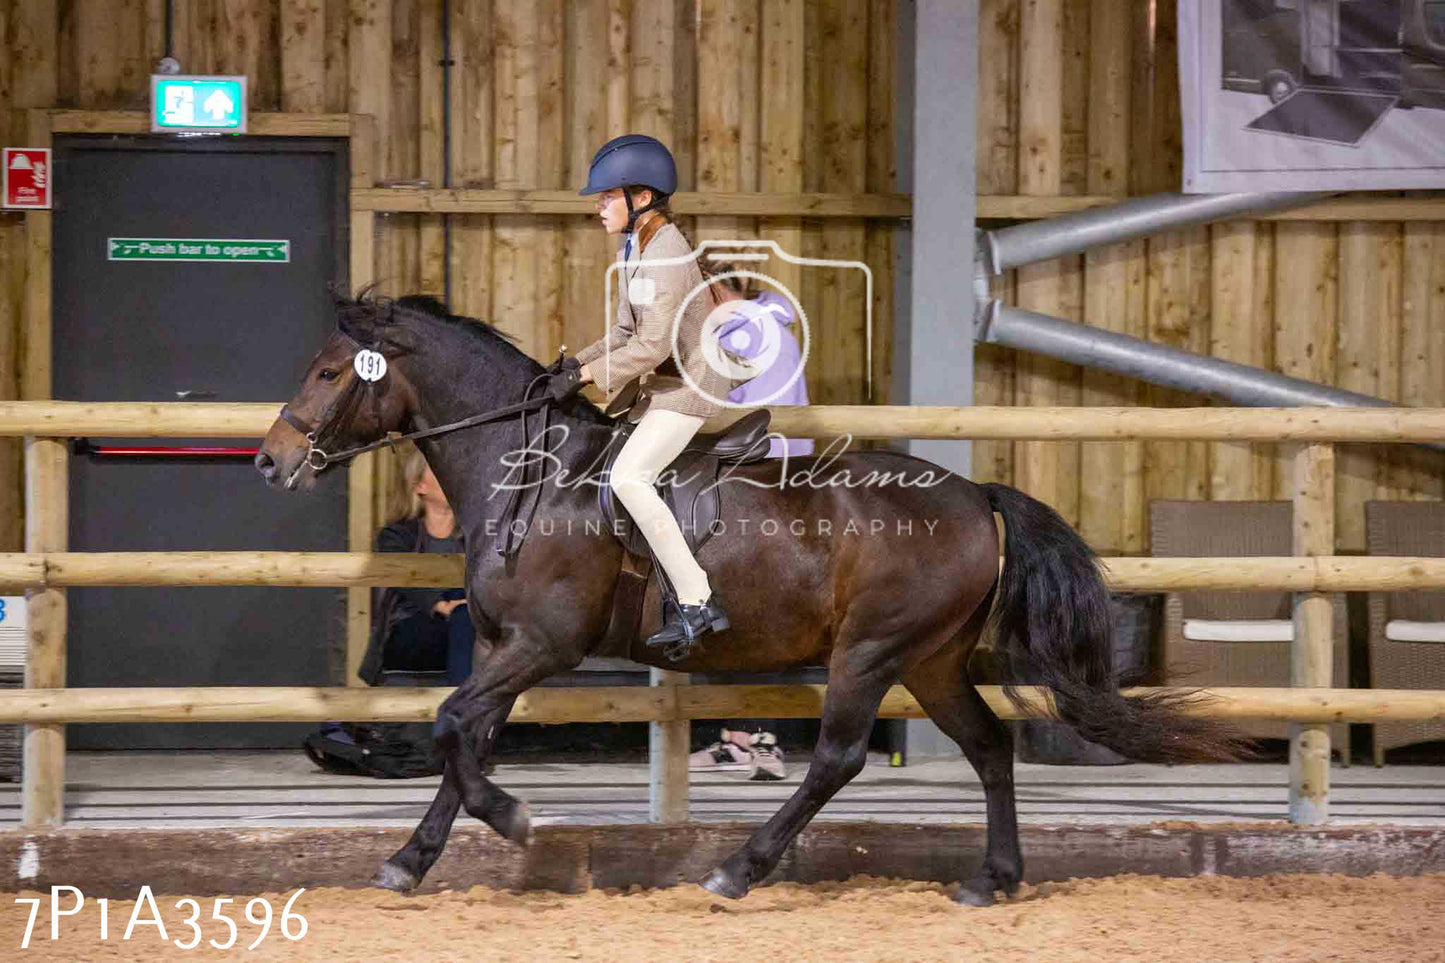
(665,210)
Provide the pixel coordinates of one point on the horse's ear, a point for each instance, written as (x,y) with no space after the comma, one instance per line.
(360,317)
(359,326)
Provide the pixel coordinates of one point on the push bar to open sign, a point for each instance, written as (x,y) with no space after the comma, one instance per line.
(228,250)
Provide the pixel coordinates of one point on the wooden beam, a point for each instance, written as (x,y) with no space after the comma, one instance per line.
(361,476)
(361,530)
(1344,573)
(74,419)
(259,124)
(1312,651)
(996,207)
(668,744)
(35,325)
(736,203)
(552,706)
(1355,208)
(47,523)
(1111,424)
(363,154)
(360,568)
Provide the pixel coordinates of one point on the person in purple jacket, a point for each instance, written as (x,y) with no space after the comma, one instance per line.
(759,330)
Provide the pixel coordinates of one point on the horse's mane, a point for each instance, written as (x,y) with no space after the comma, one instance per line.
(371,307)
(367,306)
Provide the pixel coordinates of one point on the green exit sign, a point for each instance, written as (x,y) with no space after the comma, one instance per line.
(201,104)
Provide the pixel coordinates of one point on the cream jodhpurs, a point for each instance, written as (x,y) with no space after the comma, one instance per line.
(659,438)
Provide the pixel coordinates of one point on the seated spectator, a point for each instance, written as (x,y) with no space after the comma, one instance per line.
(765,321)
(412,629)
(421,629)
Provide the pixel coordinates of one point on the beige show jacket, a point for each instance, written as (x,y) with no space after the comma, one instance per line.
(635,365)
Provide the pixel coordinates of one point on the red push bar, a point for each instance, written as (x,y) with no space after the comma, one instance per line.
(161,451)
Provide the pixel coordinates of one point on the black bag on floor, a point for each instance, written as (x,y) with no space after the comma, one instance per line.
(385,750)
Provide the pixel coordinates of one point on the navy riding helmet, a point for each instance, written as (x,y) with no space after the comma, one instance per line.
(633,160)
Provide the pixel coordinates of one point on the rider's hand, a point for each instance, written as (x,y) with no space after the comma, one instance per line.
(565,384)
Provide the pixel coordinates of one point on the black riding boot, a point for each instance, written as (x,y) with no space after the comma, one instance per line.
(684,625)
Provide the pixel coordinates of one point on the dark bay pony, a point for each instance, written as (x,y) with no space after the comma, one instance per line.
(881,566)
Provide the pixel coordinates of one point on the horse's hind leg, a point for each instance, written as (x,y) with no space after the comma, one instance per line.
(941,686)
(849,709)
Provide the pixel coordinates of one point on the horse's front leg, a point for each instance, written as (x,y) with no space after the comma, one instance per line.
(480,797)
(468,723)
(470,718)
(406,868)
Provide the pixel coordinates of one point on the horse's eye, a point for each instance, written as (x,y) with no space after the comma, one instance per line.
(326,374)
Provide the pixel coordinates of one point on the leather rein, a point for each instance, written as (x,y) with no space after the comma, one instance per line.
(340,411)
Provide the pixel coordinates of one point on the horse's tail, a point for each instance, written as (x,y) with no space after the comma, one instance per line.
(1054,627)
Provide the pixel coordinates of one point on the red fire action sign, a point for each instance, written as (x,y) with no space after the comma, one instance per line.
(27,177)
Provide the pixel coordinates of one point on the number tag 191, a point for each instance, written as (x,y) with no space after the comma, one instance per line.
(370,365)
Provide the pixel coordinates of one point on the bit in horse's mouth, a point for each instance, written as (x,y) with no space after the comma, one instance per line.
(294,477)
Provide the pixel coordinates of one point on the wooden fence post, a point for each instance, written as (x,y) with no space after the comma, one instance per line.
(667,746)
(47,522)
(1312,651)
(47,491)
(361,476)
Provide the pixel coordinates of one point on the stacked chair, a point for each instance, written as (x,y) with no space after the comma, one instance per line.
(1407,628)
(1236,638)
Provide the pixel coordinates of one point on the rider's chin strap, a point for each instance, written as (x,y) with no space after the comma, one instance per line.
(634,213)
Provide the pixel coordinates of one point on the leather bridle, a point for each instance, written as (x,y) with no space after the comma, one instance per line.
(341,410)
(336,416)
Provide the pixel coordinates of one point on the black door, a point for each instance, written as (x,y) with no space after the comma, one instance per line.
(129,330)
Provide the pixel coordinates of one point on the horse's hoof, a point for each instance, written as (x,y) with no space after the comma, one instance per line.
(720,883)
(967,896)
(393,877)
(519,826)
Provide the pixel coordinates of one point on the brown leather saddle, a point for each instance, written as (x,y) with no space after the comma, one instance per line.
(689,485)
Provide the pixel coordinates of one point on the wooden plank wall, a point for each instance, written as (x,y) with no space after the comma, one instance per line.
(1358,305)
(740,89)
(1075,97)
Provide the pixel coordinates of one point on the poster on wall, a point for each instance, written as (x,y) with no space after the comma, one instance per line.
(1312,95)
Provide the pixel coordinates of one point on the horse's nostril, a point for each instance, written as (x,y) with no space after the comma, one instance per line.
(266,465)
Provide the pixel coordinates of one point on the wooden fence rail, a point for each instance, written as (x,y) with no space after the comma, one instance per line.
(650,704)
(47,569)
(1123,574)
(71,419)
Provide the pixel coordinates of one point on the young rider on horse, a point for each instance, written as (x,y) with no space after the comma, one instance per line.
(651,363)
